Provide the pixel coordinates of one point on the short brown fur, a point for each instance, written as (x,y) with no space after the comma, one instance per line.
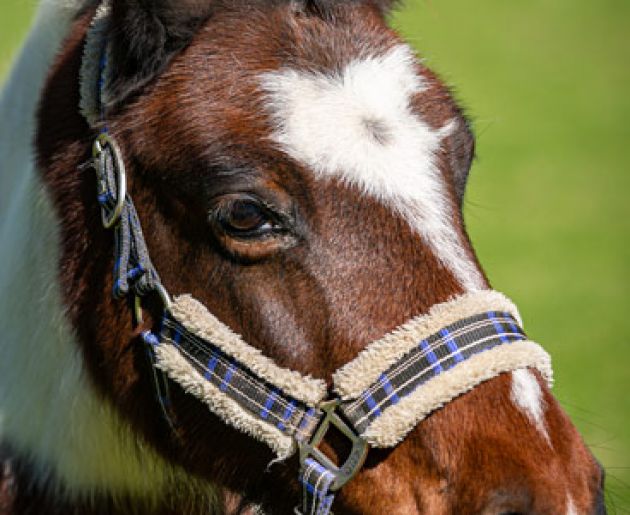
(351,272)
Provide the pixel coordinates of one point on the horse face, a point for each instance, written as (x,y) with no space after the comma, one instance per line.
(298,171)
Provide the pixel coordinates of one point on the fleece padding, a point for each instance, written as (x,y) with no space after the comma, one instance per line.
(397,420)
(169,359)
(353,379)
(198,320)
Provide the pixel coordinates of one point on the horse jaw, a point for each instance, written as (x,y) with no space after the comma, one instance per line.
(50,413)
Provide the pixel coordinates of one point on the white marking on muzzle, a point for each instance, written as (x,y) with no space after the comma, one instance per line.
(358,126)
(527,395)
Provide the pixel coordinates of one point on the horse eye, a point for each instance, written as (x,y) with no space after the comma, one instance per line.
(245,218)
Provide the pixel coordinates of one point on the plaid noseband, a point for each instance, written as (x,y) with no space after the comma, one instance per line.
(378,398)
(200,357)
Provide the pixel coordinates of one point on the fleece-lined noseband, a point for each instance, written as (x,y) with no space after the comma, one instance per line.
(378,398)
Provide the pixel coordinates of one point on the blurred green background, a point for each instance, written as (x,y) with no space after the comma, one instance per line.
(547,86)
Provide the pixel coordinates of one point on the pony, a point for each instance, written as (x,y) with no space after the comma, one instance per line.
(296,168)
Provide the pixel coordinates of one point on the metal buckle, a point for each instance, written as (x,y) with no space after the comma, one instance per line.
(137,303)
(102,141)
(356,458)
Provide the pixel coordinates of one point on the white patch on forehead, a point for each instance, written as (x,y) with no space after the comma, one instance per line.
(358,126)
(571,510)
(527,395)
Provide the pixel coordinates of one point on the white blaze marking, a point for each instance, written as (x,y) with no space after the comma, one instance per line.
(527,395)
(571,510)
(358,126)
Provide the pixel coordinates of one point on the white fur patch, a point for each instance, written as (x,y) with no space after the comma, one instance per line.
(49,410)
(527,395)
(571,510)
(358,126)
(20,93)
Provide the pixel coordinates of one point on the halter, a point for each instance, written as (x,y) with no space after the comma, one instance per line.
(377,398)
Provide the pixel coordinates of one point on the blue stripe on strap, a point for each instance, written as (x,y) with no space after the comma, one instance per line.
(316,481)
(513,327)
(498,327)
(212,364)
(271,399)
(227,377)
(117,264)
(389,389)
(431,357)
(288,411)
(176,336)
(306,418)
(150,338)
(372,405)
(452,346)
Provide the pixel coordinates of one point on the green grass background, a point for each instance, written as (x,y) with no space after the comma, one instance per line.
(547,85)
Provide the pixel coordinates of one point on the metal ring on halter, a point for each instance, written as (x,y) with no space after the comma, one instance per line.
(103,140)
(137,302)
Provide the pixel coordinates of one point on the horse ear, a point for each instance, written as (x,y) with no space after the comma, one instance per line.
(461,154)
(145,35)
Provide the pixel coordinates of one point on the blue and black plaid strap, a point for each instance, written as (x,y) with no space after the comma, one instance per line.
(237,381)
(449,347)
(316,482)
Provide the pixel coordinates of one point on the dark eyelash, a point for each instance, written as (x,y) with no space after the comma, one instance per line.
(274,222)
